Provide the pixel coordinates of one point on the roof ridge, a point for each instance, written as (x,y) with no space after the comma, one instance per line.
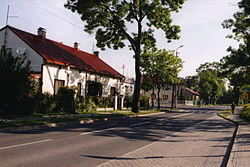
(59,53)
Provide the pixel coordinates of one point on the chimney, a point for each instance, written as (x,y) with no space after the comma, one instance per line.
(96,53)
(41,32)
(77,46)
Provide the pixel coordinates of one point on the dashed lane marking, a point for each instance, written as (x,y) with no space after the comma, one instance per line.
(24,144)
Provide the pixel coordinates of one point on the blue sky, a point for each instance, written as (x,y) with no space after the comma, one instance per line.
(201,32)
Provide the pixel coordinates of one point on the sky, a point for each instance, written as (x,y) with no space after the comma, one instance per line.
(202,35)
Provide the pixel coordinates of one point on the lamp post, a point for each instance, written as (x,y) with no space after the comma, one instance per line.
(174,92)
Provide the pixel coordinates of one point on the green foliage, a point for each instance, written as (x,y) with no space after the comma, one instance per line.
(104,102)
(15,85)
(110,20)
(211,86)
(236,66)
(80,104)
(144,102)
(245,113)
(43,103)
(227,97)
(159,67)
(64,100)
(192,82)
(91,106)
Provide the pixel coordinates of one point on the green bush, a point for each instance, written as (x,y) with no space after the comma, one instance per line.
(43,103)
(91,106)
(64,100)
(104,102)
(245,113)
(144,102)
(80,104)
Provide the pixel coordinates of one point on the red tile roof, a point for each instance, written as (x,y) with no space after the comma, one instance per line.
(193,92)
(57,53)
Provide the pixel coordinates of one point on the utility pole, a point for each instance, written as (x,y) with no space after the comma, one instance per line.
(7,20)
(123,68)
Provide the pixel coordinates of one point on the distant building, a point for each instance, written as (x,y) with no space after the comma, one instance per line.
(185,96)
(128,86)
(55,64)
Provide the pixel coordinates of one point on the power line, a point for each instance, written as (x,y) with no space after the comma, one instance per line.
(54,14)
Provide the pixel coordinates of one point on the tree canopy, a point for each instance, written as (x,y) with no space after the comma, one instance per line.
(211,85)
(110,19)
(236,65)
(160,67)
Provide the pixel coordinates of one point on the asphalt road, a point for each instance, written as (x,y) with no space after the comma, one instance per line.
(92,144)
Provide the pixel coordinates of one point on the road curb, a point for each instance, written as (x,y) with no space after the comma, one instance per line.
(226,160)
(72,123)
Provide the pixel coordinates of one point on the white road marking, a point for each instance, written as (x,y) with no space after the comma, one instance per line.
(141,123)
(180,115)
(86,133)
(24,144)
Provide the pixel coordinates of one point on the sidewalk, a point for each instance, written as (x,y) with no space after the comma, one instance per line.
(240,154)
(202,145)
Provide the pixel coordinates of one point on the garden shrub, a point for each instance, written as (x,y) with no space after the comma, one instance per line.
(80,104)
(91,106)
(245,113)
(64,100)
(104,102)
(44,103)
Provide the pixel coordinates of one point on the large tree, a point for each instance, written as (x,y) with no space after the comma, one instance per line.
(160,67)
(110,19)
(236,66)
(211,85)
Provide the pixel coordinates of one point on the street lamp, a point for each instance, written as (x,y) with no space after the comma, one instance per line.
(174,92)
(176,51)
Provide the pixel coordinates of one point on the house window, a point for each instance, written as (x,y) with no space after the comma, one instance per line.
(58,84)
(165,87)
(165,97)
(94,89)
(79,88)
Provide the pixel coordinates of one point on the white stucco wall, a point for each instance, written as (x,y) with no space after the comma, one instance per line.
(52,72)
(13,42)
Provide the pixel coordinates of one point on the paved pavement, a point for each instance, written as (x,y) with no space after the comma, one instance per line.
(240,154)
(202,145)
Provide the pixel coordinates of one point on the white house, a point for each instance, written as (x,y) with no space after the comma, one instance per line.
(56,64)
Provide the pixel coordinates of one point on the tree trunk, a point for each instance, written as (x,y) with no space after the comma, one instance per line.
(136,96)
(176,97)
(158,95)
(135,106)
(152,96)
(172,105)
